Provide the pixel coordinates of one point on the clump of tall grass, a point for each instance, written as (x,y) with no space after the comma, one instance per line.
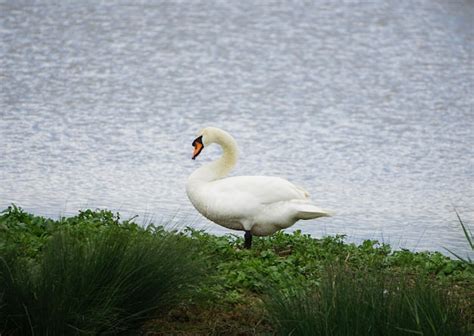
(349,302)
(90,282)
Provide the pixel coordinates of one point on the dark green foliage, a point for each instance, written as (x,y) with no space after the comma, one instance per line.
(355,302)
(25,234)
(296,267)
(88,280)
(95,274)
(276,258)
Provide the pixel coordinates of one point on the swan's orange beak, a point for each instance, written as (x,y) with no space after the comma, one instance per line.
(197,149)
(198,146)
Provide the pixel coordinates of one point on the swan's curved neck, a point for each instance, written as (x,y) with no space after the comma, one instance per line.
(222,166)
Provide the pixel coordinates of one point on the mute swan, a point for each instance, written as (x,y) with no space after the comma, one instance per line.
(258,205)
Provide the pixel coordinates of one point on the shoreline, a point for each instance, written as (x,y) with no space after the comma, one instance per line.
(217,272)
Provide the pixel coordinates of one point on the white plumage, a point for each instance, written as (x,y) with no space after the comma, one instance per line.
(259,205)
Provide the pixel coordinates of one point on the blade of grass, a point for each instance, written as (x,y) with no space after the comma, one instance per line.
(468,235)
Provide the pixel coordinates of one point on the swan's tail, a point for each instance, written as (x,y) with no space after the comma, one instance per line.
(310,211)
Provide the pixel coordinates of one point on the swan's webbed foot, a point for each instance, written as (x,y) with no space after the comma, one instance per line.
(248,240)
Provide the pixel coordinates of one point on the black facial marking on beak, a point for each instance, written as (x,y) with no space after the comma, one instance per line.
(198,146)
(197,140)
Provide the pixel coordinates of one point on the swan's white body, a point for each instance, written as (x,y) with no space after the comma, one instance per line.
(260,205)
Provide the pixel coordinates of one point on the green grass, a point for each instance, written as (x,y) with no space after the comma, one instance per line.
(469,239)
(97,274)
(355,302)
(86,280)
(274,259)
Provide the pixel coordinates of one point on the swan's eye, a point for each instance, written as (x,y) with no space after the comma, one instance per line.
(198,146)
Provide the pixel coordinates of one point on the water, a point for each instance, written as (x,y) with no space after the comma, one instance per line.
(368,105)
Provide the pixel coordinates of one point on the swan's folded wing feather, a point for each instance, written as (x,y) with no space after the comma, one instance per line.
(261,189)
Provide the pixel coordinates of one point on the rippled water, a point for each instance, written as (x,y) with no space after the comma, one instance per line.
(369,105)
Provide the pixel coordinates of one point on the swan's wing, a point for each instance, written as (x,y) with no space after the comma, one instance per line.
(261,189)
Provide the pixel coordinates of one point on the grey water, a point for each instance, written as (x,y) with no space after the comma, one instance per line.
(367,104)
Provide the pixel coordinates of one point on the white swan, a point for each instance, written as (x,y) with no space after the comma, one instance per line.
(258,205)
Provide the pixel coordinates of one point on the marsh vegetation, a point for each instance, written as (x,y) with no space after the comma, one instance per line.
(97,274)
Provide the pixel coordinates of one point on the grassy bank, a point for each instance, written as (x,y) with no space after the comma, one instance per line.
(95,274)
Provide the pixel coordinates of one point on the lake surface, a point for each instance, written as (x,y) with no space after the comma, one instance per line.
(368,105)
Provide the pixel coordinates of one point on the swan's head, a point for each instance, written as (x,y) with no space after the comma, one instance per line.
(209,135)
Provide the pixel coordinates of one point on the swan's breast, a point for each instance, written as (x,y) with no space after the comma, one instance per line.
(218,207)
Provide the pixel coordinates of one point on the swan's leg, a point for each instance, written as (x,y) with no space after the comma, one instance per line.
(248,239)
